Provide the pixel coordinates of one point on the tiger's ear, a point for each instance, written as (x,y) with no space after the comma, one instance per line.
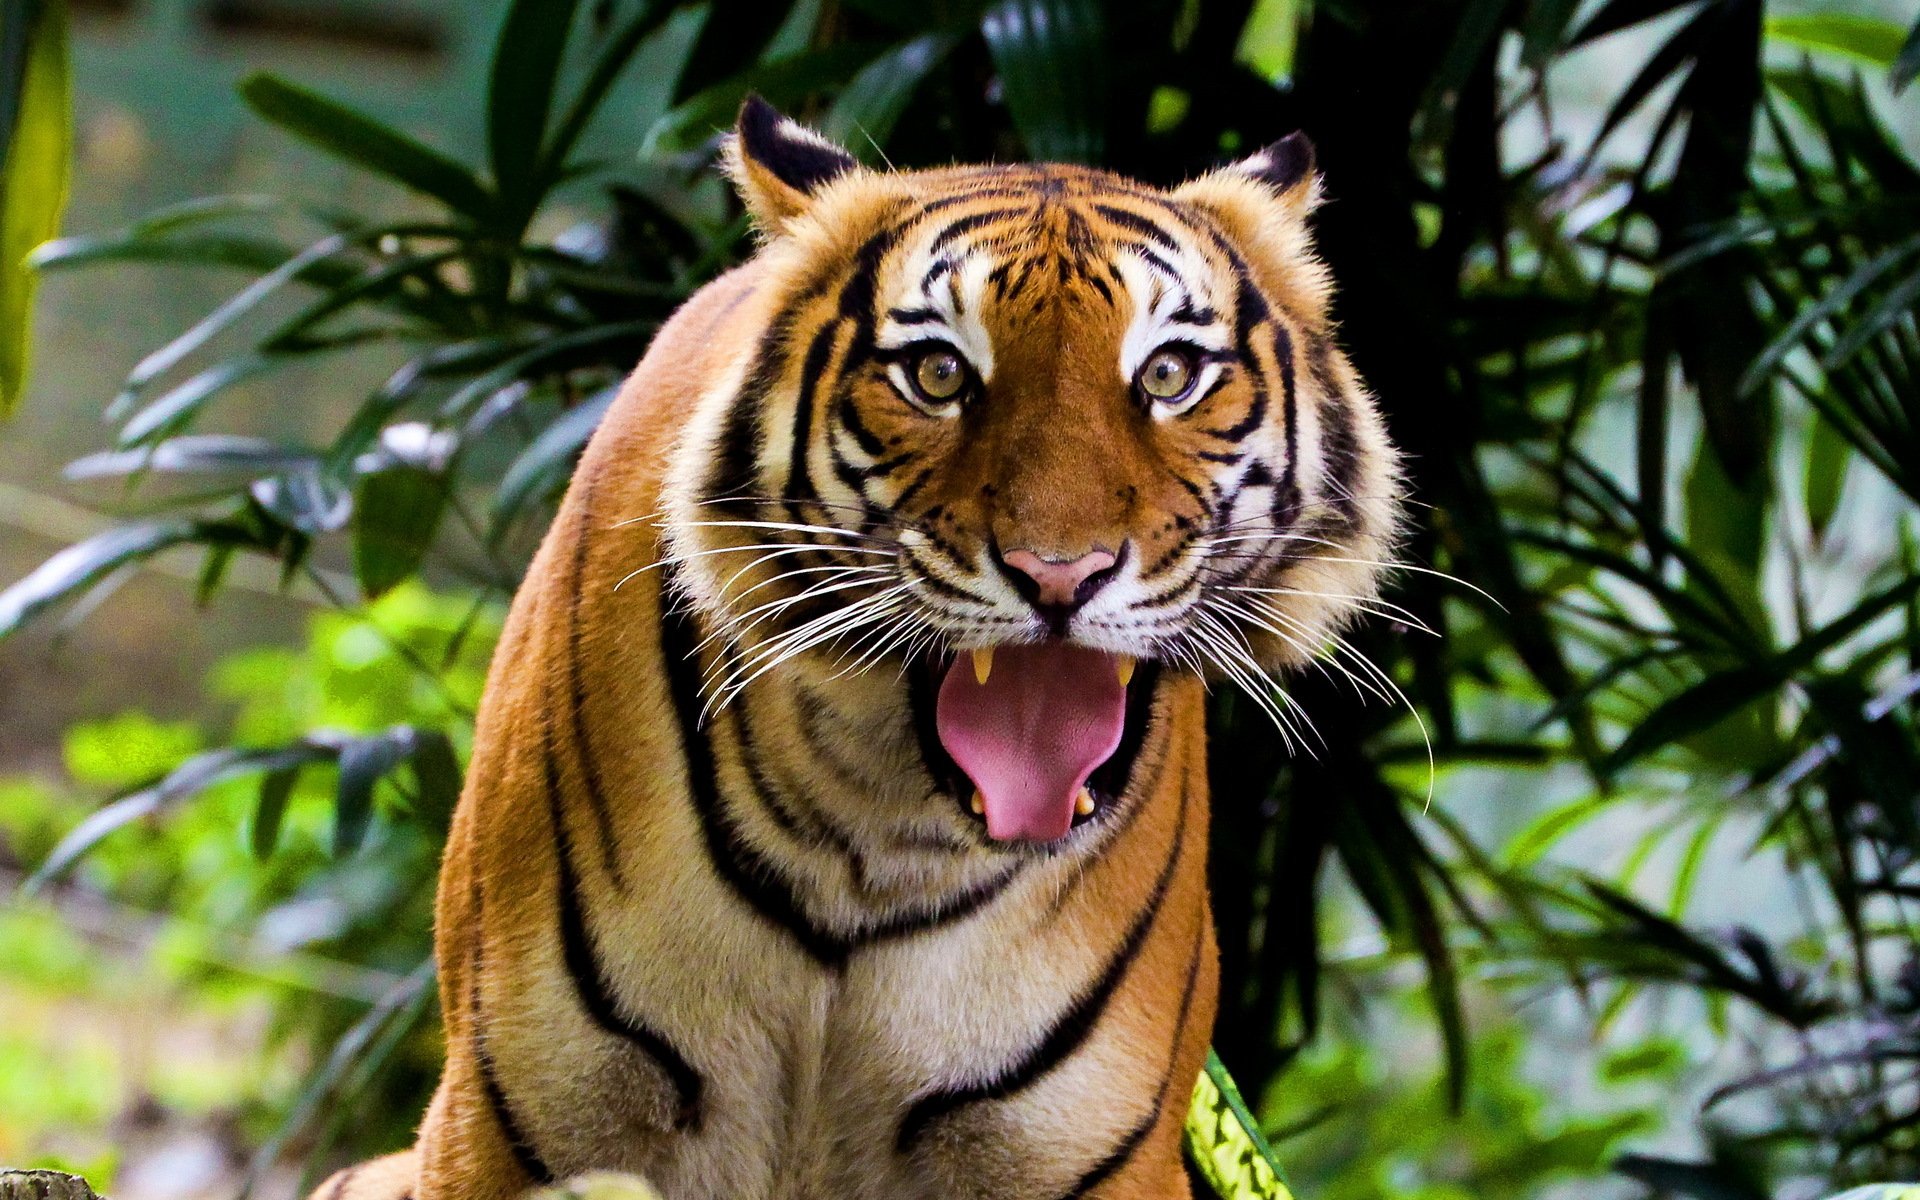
(777,164)
(1283,166)
(1284,172)
(1263,202)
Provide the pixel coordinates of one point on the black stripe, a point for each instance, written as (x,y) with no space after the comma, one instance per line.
(1145,226)
(584,759)
(799,478)
(939,586)
(849,414)
(1069,1032)
(755,880)
(923,479)
(524,1153)
(590,977)
(1154,260)
(1339,443)
(1286,497)
(1166,596)
(736,462)
(750,876)
(810,828)
(960,226)
(528,1159)
(1129,1144)
(1200,494)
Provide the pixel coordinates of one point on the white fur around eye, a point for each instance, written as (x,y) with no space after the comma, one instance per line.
(957,297)
(1157,299)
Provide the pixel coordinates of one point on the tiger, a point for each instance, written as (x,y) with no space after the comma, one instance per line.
(837,815)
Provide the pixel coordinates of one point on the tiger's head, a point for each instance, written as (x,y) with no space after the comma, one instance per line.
(1031,430)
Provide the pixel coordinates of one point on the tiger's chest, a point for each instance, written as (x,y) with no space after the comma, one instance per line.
(818,986)
(918,1065)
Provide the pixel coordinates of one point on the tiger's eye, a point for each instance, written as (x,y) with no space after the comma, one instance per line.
(940,375)
(1167,375)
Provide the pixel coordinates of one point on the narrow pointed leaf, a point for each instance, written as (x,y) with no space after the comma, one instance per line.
(864,113)
(526,66)
(276,789)
(78,566)
(543,460)
(1051,55)
(357,138)
(36,144)
(364,762)
(1906,65)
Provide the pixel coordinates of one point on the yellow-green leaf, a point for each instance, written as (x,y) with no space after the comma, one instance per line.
(34,158)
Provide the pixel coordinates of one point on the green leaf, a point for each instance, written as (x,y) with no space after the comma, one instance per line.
(396,513)
(1826,475)
(437,771)
(1726,692)
(384,285)
(1702,1180)
(36,144)
(364,762)
(359,1052)
(1866,39)
(189,779)
(795,33)
(1834,301)
(618,52)
(549,454)
(126,751)
(526,65)
(1478,27)
(177,405)
(1549,827)
(785,83)
(233,251)
(80,565)
(1051,56)
(1906,64)
(193,454)
(307,499)
(359,139)
(863,115)
(1545,31)
(548,357)
(204,330)
(276,789)
(1887,311)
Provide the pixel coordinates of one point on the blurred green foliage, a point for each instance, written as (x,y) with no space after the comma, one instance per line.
(229,919)
(1632,893)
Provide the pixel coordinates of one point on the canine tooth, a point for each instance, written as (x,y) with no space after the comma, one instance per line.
(982,664)
(1126,666)
(979,802)
(1083,803)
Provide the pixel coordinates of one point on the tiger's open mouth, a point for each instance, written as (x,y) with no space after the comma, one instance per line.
(1036,739)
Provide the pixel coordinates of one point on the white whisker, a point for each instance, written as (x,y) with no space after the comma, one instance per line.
(1385,610)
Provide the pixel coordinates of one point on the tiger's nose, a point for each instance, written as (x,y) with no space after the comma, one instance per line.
(1058,586)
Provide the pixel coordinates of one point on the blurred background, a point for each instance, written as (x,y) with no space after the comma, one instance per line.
(1601,881)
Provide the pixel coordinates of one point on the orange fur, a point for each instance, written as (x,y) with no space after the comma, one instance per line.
(747,942)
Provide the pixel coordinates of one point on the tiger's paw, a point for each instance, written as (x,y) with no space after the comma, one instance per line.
(599,1185)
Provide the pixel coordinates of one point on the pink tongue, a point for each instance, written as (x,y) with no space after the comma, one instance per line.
(1029,737)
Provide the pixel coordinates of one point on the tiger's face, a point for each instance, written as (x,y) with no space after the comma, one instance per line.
(1031,427)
